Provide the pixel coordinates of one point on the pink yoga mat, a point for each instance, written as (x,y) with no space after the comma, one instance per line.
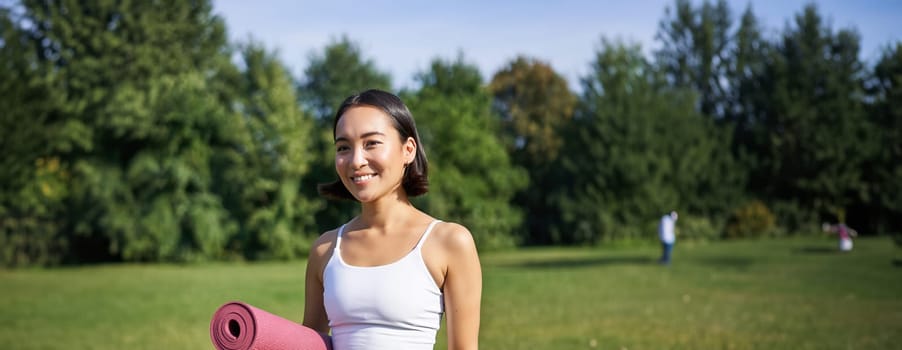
(239,326)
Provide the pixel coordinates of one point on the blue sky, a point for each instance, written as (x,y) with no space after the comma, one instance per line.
(402,37)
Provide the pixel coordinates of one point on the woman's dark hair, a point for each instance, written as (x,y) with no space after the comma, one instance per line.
(415,181)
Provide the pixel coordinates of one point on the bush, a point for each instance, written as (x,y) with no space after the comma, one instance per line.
(29,241)
(697,228)
(30,231)
(753,219)
(791,217)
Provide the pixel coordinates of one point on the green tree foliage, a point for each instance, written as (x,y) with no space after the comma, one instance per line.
(261,180)
(338,72)
(639,149)
(810,137)
(155,203)
(106,63)
(884,171)
(155,147)
(471,177)
(534,103)
(695,51)
(27,94)
(33,181)
(747,97)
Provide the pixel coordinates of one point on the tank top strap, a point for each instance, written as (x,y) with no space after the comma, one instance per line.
(341,230)
(426,234)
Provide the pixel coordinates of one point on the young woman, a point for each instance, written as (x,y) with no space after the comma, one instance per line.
(384,279)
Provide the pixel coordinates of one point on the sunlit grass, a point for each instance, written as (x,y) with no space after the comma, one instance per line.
(787,294)
(776,294)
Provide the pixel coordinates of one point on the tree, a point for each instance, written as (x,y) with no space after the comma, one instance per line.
(638,149)
(695,52)
(534,103)
(883,172)
(156,204)
(261,180)
(812,137)
(159,149)
(99,64)
(340,71)
(472,180)
(33,182)
(747,97)
(136,78)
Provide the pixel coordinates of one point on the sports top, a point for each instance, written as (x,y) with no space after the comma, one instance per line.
(392,306)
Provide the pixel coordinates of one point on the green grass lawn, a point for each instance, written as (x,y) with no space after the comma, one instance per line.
(773,294)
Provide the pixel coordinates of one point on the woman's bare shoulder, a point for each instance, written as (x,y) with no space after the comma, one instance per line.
(454,237)
(324,244)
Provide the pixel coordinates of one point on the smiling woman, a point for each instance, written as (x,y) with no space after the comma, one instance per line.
(385,279)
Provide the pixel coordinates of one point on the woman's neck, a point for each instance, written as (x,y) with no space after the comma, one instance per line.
(385,212)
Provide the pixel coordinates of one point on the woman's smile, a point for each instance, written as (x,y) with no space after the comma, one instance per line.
(362,179)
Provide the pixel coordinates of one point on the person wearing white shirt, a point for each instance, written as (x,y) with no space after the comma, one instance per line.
(667,234)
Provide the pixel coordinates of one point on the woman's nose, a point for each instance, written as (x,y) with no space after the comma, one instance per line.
(358,159)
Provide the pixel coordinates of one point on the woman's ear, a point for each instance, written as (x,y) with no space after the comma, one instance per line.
(410,150)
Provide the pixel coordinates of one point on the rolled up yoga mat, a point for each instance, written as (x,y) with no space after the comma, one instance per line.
(239,326)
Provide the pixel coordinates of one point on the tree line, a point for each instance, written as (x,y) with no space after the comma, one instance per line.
(136,131)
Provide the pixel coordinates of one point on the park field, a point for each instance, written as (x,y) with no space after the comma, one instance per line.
(797,293)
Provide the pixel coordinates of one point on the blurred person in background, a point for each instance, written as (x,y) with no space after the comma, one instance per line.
(843,232)
(667,235)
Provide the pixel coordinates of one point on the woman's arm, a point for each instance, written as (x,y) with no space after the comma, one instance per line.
(462,289)
(314,309)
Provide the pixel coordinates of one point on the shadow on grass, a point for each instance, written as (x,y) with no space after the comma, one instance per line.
(582,262)
(815,250)
(897,262)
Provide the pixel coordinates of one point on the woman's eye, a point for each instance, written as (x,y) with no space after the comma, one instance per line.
(370,144)
(341,148)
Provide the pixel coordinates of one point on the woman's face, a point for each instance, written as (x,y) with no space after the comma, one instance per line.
(369,153)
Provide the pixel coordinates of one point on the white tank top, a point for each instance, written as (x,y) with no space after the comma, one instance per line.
(393,306)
